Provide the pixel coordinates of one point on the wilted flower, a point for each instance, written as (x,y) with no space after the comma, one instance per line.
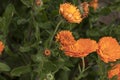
(1,47)
(85,7)
(81,48)
(108,49)
(115,71)
(94,4)
(65,38)
(70,13)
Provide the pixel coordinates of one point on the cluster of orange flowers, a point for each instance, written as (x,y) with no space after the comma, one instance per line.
(75,48)
(1,47)
(115,71)
(73,15)
(107,48)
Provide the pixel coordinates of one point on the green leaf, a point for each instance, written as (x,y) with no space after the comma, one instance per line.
(39,57)
(105,11)
(8,14)
(7,17)
(4,67)
(2,23)
(46,1)
(92,33)
(65,68)
(22,21)
(49,67)
(45,25)
(28,3)
(37,31)
(25,49)
(20,70)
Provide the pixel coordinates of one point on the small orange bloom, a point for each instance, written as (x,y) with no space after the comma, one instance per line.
(114,71)
(94,4)
(108,49)
(81,48)
(70,13)
(47,52)
(85,7)
(38,2)
(1,47)
(65,38)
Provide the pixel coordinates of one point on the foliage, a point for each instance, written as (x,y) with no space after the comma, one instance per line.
(27,30)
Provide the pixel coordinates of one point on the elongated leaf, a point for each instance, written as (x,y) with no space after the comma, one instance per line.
(4,67)
(7,17)
(2,23)
(8,14)
(28,3)
(25,49)
(20,70)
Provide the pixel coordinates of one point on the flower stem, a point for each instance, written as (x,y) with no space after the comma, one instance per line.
(55,32)
(81,70)
(83,64)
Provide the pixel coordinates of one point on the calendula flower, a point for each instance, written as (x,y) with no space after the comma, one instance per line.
(85,7)
(65,38)
(115,71)
(94,4)
(108,49)
(1,47)
(73,48)
(70,13)
(47,52)
(81,48)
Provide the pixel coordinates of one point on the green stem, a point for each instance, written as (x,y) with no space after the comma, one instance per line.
(81,70)
(70,27)
(101,69)
(83,64)
(54,33)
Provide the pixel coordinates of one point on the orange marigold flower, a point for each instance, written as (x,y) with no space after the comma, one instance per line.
(1,47)
(115,71)
(65,38)
(70,13)
(108,49)
(94,4)
(81,48)
(47,52)
(85,7)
